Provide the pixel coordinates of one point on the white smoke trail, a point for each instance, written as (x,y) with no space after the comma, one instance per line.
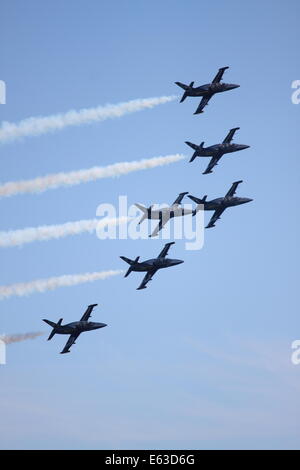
(43,285)
(41,125)
(8,339)
(48,232)
(57,180)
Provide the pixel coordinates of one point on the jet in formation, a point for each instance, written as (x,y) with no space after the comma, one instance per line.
(216,151)
(75,328)
(151,266)
(166,213)
(208,90)
(220,204)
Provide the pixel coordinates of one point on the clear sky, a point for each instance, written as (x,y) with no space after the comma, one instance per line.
(200,359)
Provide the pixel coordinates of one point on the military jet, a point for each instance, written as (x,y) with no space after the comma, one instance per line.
(220,204)
(216,151)
(75,328)
(165,214)
(207,90)
(151,265)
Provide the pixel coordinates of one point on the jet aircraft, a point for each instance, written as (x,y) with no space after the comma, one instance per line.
(216,151)
(151,266)
(75,328)
(165,214)
(220,204)
(207,91)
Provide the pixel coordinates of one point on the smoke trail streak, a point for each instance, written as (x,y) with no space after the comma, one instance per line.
(44,285)
(48,232)
(8,339)
(57,180)
(34,126)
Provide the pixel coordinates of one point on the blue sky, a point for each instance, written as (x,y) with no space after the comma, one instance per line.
(200,359)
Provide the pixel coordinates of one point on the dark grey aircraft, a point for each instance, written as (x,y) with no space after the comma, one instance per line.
(220,204)
(75,328)
(216,151)
(151,265)
(208,90)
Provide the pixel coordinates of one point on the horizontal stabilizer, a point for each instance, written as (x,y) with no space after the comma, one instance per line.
(182,85)
(142,208)
(51,334)
(197,200)
(193,146)
(51,323)
(127,260)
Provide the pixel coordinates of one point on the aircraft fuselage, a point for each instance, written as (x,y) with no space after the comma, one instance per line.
(169,212)
(224,202)
(156,263)
(210,88)
(78,327)
(219,149)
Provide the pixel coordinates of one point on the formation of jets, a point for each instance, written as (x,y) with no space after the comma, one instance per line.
(176,209)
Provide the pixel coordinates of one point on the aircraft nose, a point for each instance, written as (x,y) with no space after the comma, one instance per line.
(243,147)
(100,325)
(233,85)
(177,261)
(247,199)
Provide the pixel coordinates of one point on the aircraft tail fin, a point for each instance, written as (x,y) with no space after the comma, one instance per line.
(54,326)
(196,148)
(131,262)
(146,212)
(186,88)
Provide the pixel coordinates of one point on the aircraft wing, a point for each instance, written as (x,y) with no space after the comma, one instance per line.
(69,343)
(232,190)
(203,103)
(213,162)
(219,75)
(161,224)
(230,135)
(165,250)
(215,217)
(147,278)
(179,198)
(88,312)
